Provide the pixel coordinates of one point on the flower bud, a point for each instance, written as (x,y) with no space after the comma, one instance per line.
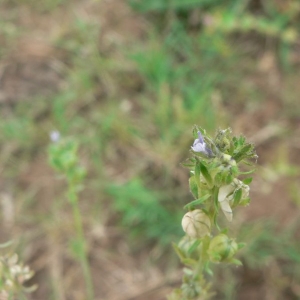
(196,223)
(222,248)
(187,246)
(229,160)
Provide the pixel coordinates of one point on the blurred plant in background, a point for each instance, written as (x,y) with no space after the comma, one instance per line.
(13,277)
(63,156)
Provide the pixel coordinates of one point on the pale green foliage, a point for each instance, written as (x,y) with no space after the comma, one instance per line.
(143,212)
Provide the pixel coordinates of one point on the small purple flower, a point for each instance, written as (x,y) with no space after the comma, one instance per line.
(54,136)
(200,146)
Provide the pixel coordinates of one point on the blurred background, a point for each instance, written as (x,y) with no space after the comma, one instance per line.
(128,80)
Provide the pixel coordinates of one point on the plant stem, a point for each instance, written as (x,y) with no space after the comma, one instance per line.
(80,235)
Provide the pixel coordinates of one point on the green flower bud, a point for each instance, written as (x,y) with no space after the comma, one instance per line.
(196,223)
(222,248)
(190,247)
(229,160)
(226,158)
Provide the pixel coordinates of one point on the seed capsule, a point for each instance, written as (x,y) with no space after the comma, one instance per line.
(196,223)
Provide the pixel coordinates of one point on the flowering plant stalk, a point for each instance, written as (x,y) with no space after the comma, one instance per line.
(63,156)
(215,184)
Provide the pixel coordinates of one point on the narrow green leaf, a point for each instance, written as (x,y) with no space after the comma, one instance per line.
(187,271)
(189,262)
(193,186)
(7,244)
(247,180)
(242,153)
(194,246)
(31,288)
(197,171)
(197,201)
(228,178)
(195,131)
(245,201)
(241,245)
(237,197)
(206,174)
(208,269)
(224,231)
(247,173)
(236,262)
(188,163)
(216,206)
(215,195)
(215,217)
(178,252)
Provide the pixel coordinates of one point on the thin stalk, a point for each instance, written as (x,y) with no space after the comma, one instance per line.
(80,235)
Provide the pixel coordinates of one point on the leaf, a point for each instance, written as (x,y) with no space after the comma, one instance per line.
(31,288)
(247,173)
(245,201)
(242,153)
(197,171)
(179,252)
(224,231)
(241,245)
(208,269)
(227,178)
(216,201)
(7,244)
(193,186)
(189,262)
(194,246)
(188,163)
(197,201)
(206,174)
(195,131)
(187,271)
(237,197)
(236,262)
(216,206)
(247,180)
(216,221)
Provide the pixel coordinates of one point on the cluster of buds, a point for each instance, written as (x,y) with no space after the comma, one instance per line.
(13,275)
(214,172)
(215,184)
(63,156)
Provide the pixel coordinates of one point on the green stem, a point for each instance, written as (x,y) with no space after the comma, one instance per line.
(80,235)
